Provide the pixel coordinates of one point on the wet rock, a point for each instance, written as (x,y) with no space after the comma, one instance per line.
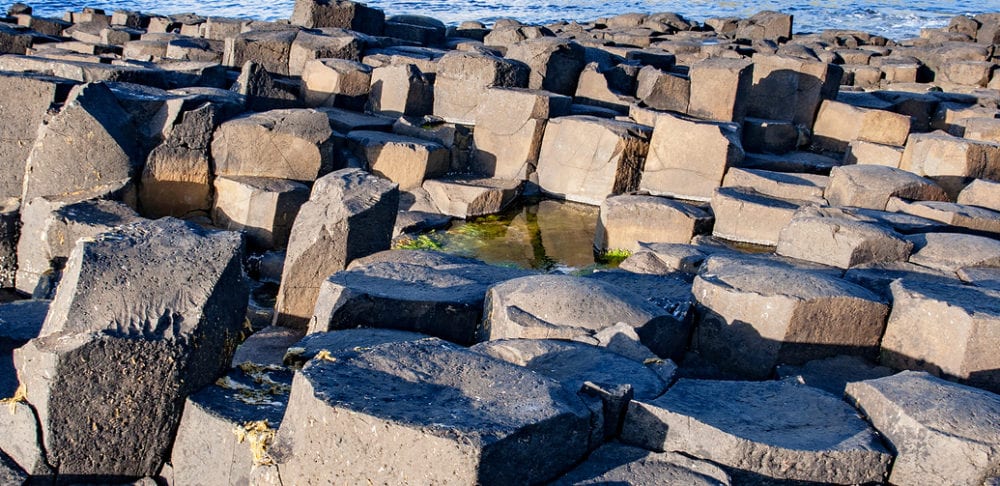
(262,208)
(756,314)
(338,13)
(771,429)
(555,63)
(295,144)
(833,374)
(407,161)
(24,101)
(400,90)
(627,221)
(837,124)
(51,228)
(951,251)
(941,432)
(465,197)
(744,215)
(135,363)
(616,463)
(436,294)
(228,426)
(982,193)
(565,307)
(804,187)
(871,186)
(336,82)
(585,159)
(349,215)
(88,144)
(463,78)
(720,88)
(688,158)
(509,129)
(840,241)
(326,432)
(946,330)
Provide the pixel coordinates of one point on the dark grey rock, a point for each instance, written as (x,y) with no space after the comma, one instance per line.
(432,293)
(566,307)
(266,347)
(614,463)
(10,472)
(344,341)
(349,215)
(773,429)
(425,412)
(942,432)
(877,277)
(146,315)
(833,374)
(10,232)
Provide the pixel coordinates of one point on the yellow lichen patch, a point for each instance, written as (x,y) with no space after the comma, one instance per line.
(20,395)
(652,361)
(325,356)
(259,436)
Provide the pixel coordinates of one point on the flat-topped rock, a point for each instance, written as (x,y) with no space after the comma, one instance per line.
(466,197)
(951,251)
(877,277)
(871,186)
(350,214)
(951,160)
(615,463)
(666,258)
(949,330)
(565,307)
(941,431)
(419,395)
(960,215)
(742,214)
(774,429)
(756,314)
(433,293)
(407,161)
(796,162)
(833,374)
(262,207)
(982,193)
(627,221)
(837,124)
(839,241)
(463,78)
(292,144)
(981,276)
(804,187)
(344,341)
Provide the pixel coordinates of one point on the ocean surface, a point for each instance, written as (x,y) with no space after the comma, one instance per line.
(896,19)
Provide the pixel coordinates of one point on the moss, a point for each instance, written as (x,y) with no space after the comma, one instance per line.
(259,436)
(613,256)
(422,242)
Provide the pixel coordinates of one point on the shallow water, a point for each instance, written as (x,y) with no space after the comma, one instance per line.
(892,18)
(546,235)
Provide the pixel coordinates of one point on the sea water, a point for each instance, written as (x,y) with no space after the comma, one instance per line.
(896,19)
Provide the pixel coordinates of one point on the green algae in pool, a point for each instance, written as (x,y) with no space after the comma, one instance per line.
(545,235)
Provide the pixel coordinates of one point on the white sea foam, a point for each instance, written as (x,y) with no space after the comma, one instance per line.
(895,19)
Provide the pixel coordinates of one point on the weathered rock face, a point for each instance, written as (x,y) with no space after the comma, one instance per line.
(324,43)
(757,314)
(837,124)
(941,431)
(262,91)
(869,153)
(292,144)
(51,228)
(585,159)
(263,208)
(425,410)
(24,101)
(982,193)
(336,82)
(400,90)
(627,221)
(269,48)
(338,13)
(10,232)
(555,63)
(688,158)
(720,88)
(565,307)
(839,241)
(90,143)
(510,124)
(463,78)
(663,90)
(177,174)
(950,252)
(871,186)
(742,214)
(433,293)
(951,160)
(791,88)
(614,463)
(947,330)
(407,161)
(773,429)
(350,214)
(146,315)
